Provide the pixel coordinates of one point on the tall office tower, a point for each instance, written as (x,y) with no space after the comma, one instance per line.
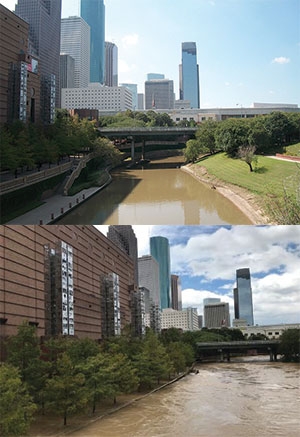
(149,277)
(154,76)
(243,305)
(133,88)
(93,12)
(159,94)
(67,71)
(160,250)
(141,105)
(75,41)
(44,18)
(189,75)
(111,64)
(176,292)
(209,301)
(124,237)
(217,315)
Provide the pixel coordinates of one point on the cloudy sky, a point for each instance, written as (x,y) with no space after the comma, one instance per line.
(248,50)
(207,257)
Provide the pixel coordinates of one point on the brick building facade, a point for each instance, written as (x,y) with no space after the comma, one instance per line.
(61,279)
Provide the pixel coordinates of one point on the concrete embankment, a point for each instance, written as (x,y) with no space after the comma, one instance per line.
(247,202)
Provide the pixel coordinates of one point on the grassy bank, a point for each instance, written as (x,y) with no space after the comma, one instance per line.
(270,177)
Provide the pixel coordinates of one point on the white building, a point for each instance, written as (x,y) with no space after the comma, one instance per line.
(270,331)
(187,319)
(75,41)
(96,96)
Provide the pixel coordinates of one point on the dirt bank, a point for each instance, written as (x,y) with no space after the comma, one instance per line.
(247,202)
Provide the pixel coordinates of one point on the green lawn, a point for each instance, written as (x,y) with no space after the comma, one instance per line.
(270,176)
(293,150)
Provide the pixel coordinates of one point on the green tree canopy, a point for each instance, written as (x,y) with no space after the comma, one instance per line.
(16,405)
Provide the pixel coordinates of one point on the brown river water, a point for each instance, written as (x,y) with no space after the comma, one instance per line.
(238,399)
(158,194)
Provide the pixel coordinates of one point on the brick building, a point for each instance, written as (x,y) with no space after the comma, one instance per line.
(66,280)
(19,71)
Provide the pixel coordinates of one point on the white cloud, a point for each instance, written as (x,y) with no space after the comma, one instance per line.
(124,67)
(130,40)
(281,60)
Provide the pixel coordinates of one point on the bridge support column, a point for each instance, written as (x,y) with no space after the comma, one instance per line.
(132,149)
(221,355)
(228,356)
(143,150)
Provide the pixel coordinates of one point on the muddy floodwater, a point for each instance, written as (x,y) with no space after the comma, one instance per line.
(239,399)
(160,193)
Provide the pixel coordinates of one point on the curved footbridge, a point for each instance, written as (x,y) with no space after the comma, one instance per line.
(224,349)
(131,136)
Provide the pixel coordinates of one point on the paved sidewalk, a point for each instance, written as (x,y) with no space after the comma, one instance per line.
(54,207)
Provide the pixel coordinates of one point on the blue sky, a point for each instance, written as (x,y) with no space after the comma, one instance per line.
(207,257)
(248,50)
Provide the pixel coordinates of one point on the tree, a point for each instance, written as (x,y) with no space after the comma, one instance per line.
(192,151)
(79,350)
(153,363)
(205,135)
(123,375)
(279,128)
(65,392)
(97,371)
(16,405)
(247,154)
(231,134)
(290,345)
(105,152)
(24,352)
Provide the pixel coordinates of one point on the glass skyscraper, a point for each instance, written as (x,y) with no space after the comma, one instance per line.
(243,305)
(44,17)
(189,75)
(93,12)
(160,250)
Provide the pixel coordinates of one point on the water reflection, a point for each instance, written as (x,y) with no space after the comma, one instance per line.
(158,196)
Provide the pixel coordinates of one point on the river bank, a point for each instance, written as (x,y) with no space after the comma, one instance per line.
(52,426)
(246,201)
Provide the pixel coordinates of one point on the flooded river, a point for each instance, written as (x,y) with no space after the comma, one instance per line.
(239,399)
(157,194)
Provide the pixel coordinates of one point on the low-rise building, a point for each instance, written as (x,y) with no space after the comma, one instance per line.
(96,96)
(187,319)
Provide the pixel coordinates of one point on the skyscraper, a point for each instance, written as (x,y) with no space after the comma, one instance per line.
(189,75)
(159,94)
(93,12)
(243,306)
(75,41)
(176,292)
(149,277)
(111,64)
(160,250)
(44,18)
(124,237)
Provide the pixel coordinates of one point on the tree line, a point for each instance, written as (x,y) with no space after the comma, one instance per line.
(28,146)
(243,137)
(66,376)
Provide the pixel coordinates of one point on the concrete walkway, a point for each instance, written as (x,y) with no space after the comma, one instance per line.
(55,207)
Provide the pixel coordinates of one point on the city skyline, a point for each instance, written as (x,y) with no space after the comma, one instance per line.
(206,259)
(247,51)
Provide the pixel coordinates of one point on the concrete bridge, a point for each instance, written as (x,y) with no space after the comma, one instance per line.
(223,348)
(133,135)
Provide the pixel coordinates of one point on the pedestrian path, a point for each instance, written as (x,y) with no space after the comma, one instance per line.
(55,207)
